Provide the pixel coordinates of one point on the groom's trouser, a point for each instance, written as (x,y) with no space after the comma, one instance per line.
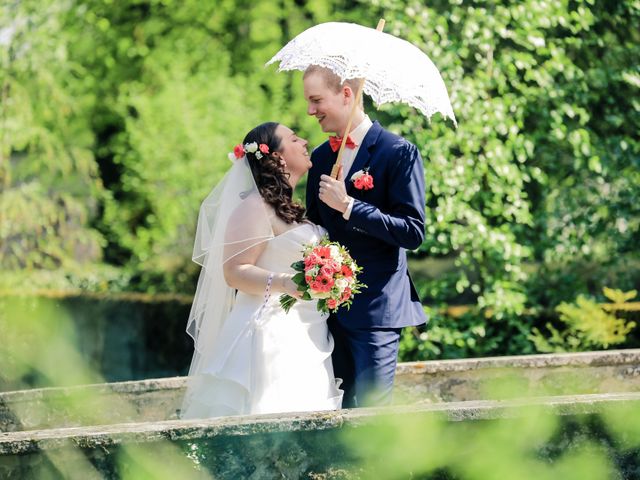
(365,359)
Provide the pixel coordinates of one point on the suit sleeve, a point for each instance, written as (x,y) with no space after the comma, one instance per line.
(402,224)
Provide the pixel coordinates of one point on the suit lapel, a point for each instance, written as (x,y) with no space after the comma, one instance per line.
(364,153)
(323,164)
(325,160)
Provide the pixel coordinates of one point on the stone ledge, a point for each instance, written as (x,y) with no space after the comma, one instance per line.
(416,383)
(19,443)
(580,359)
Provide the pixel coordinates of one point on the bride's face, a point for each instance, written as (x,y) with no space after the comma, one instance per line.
(293,151)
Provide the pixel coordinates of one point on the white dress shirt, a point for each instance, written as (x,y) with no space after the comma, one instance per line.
(349,155)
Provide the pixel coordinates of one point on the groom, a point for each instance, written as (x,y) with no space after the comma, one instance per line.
(376,218)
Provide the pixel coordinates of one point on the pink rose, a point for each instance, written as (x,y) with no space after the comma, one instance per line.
(367,181)
(311,261)
(333,266)
(264,148)
(363,182)
(346,294)
(238,151)
(332,304)
(326,271)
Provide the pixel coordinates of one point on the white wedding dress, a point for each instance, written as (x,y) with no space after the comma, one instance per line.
(266,360)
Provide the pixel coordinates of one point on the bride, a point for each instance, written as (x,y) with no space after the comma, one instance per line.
(250,356)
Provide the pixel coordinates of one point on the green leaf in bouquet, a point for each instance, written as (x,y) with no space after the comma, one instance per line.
(298,266)
(287,301)
(298,279)
(321,306)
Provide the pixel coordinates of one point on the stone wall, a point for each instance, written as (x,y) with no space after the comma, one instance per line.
(312,445)
(417,382)
(534,412)
(124,338)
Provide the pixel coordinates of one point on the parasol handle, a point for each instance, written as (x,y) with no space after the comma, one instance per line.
(336,166)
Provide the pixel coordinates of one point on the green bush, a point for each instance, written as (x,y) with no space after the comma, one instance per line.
(116,118)
(472,334)
(587,325)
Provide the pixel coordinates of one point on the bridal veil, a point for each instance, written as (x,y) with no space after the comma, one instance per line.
(232,219)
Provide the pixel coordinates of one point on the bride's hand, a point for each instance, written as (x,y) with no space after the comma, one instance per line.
(289,286)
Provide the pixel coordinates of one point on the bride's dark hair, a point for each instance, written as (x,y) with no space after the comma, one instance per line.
(269,174)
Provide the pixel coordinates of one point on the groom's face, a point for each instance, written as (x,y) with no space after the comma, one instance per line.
(330,107)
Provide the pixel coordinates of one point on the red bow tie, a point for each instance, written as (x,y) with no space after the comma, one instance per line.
(334,143)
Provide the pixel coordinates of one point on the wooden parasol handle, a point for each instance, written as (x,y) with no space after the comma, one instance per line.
(336,166)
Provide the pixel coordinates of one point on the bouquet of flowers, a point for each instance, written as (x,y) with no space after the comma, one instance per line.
(326,273)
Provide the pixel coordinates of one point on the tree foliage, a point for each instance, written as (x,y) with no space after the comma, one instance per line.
(48,177)
(116,117)
(535,195)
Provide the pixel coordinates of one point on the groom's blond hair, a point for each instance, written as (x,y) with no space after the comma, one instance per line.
(334,82)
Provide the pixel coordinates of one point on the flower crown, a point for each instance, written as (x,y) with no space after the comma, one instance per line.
(240,150)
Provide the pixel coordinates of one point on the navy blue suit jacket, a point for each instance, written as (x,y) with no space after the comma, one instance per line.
(385,221)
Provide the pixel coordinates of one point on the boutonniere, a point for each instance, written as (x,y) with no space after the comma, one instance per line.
(362,180)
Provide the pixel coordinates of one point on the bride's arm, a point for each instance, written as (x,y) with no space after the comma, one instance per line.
(241,273)
(248,231)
